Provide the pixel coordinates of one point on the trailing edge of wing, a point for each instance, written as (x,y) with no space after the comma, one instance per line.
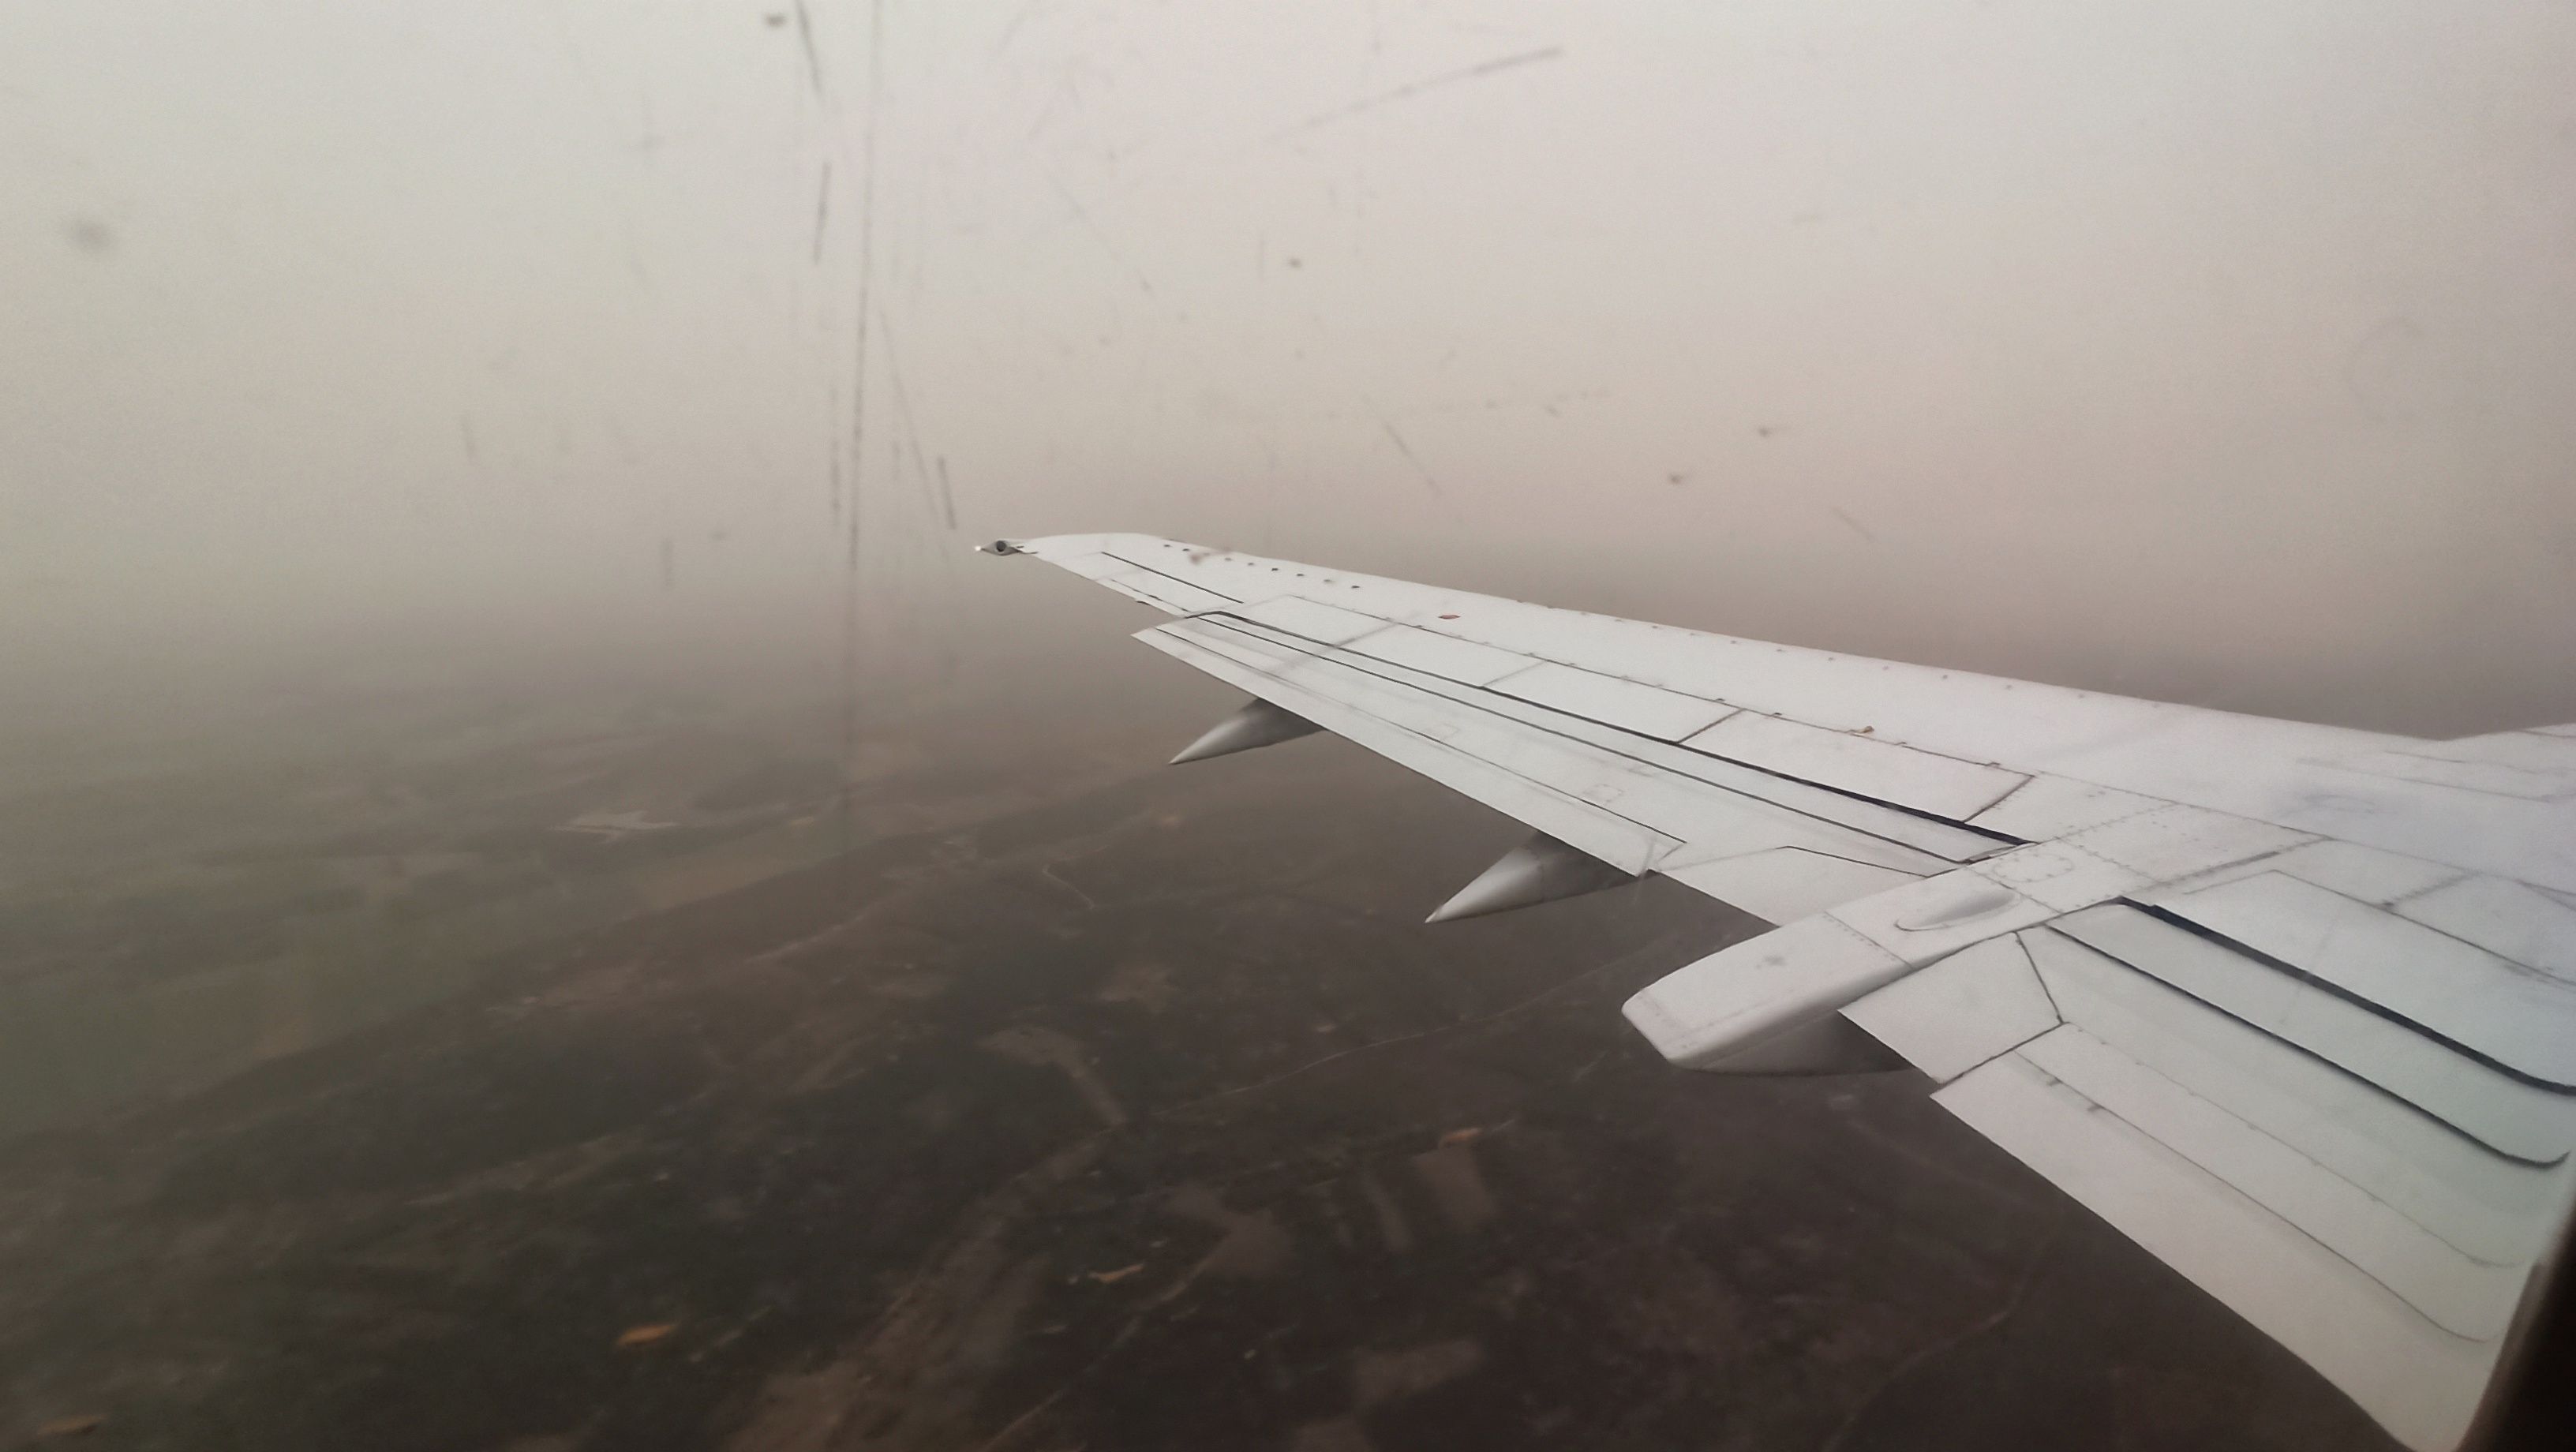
(2392,1252)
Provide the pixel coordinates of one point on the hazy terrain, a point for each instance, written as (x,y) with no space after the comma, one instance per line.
(1032,1096)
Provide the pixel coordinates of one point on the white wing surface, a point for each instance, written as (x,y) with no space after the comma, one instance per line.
(2292,1006)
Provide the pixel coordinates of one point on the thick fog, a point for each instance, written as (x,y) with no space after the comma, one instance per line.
(2219,352)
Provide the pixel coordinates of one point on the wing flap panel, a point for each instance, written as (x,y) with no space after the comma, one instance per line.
(1598,763)
(2053,806)
(1784,884)
(1921,837)
(2467,1298)
(2513,1118)
(1942,785)
(2423,1383)
(1646,710)
(2505,918)
(1325,624)
(2172,841)
(2522,1020)
(1583,824)
(1162,591)
(2364,874)
(1462,661)
(2492,1209)
(2492,778)
(1961,1011)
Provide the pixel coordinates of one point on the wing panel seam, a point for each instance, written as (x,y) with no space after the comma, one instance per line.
(2381,1010)
(1559,793)
(1318,650)
(2484,1146)
(2284,1146)
(1175,579)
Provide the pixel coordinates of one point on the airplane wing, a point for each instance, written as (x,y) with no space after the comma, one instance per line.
(2292,1006)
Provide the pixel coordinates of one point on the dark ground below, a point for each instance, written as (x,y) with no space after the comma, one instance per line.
(1147,1118)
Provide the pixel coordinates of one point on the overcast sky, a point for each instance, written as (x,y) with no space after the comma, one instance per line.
(2198,349)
